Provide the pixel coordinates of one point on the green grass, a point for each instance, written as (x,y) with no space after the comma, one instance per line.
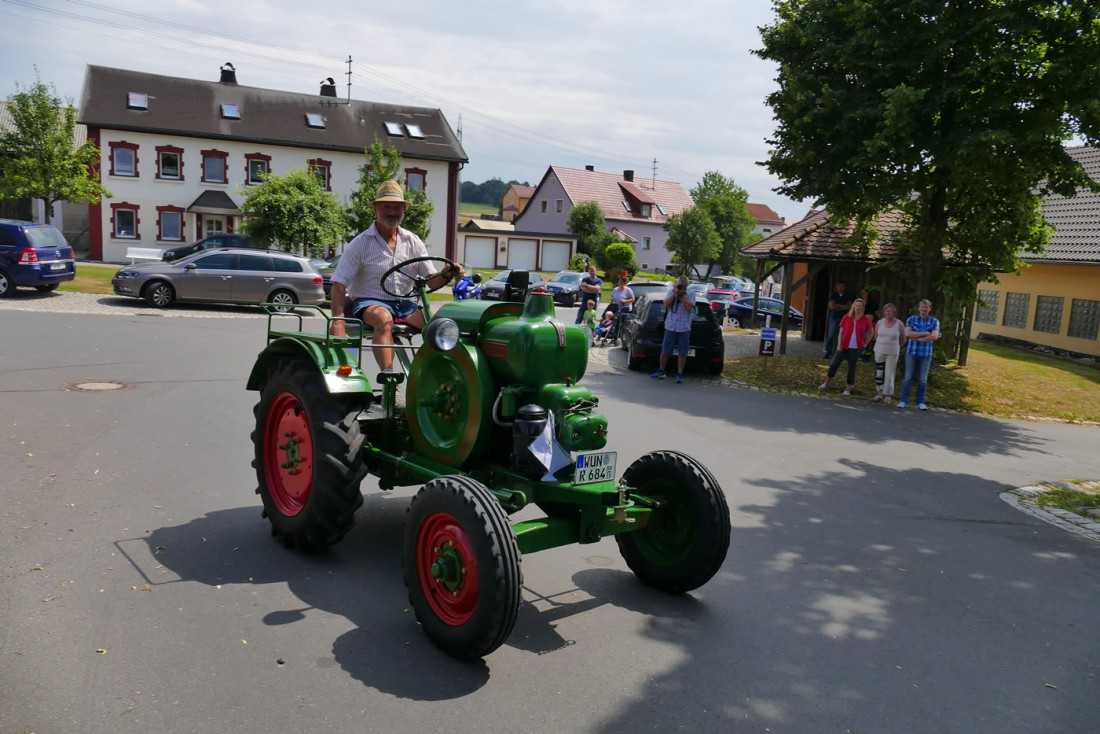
(467,211)
(997,380)
(91,278)
(1074,495)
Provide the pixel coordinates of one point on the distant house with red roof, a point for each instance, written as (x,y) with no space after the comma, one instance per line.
(767,221)
(515,201)
(636,209)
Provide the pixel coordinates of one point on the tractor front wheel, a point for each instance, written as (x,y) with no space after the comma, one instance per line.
(462,567)
(685,542)
(307,457)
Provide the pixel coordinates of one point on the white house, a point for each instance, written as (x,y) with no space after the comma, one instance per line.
(178,153)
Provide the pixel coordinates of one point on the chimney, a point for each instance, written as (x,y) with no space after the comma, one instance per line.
(590,168)
(328,88)
(229,74)
(628,175)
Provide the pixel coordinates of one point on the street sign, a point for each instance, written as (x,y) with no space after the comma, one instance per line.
(767,342)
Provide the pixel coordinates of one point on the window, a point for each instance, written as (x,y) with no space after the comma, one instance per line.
(646,210)
(626,205)
(661,210)
(1016,306)
(416,179)
(231,112)
(170,223)
(315,120)
(137,100)
(124,159)
(646,242)
(989,303)
(257,167)
(214,166)
(217,261)
(542,207)
(322,169)
(286,265)
(1084,318)
(1048,314)
(124,220)
(394,128)
(414,131)
(261,263)
(558,206)
(767,230)
(169,163)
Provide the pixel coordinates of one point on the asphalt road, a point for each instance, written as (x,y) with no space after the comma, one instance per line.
(876,582)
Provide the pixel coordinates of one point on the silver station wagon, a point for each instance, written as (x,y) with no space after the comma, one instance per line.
(227,275)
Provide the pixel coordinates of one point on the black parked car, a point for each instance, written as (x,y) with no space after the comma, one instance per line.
(209,243)
(493,289)
(643,333)
(565,287)
(739,313)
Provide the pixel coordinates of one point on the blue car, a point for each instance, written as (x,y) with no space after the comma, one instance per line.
(33,256)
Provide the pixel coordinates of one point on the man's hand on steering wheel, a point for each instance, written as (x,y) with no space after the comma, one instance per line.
(449,267)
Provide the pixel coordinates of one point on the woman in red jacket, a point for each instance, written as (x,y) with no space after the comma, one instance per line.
(855,330)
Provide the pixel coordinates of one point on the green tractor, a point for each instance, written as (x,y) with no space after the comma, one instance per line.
(495,420)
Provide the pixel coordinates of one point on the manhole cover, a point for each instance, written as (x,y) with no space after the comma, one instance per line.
(97,386)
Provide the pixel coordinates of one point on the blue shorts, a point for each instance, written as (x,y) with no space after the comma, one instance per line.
(399,309)
(679,339)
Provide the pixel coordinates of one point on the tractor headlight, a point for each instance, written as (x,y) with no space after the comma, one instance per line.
(443,334)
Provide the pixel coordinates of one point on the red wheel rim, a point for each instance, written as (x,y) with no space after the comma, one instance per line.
(447,568)
(288,454)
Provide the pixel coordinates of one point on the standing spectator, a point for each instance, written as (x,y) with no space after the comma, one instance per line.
(889,335)
(591,287)
(921,331)
(855,330)
(870,307)
(839,302)
(622,296)
(679,307)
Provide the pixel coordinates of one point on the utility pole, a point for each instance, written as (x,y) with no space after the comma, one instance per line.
(349,79)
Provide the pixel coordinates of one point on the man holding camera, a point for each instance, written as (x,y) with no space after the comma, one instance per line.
(679,305)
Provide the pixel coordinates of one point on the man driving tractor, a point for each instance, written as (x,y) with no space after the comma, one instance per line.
(357,289)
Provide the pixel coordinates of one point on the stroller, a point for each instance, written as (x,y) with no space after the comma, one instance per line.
(610,333)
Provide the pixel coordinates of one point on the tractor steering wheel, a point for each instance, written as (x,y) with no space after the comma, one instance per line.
(418,280)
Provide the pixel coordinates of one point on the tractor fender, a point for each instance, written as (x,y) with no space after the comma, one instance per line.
(327,359)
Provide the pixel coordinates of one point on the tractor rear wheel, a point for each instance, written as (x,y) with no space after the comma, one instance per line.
(307,457)
(462,567)
(687,537)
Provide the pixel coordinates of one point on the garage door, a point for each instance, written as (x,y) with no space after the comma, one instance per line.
(480,253)
(555,255)
(521,254)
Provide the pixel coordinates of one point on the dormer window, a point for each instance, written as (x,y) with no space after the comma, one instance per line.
(231,112)
(137,100)
(646,210)
(415,131)
(661,210)
(315,120)
(394,128)
(626,205)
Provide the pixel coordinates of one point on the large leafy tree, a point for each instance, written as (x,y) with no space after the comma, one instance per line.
(692,238)
(38,157)
(294,213)
(727,205)
(954,113)
(587,223)
(384,164)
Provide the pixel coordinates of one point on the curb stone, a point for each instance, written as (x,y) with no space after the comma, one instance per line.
(1023,499)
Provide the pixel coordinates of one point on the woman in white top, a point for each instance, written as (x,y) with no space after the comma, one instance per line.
(889,339)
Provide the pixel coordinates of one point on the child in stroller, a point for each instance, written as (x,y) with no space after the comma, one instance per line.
(608,330)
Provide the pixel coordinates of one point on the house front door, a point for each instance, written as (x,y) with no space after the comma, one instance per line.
(214,224)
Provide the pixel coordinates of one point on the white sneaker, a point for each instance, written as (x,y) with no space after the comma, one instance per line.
(877,398)
(823,386)
(847,391)
(903,405)
(886,401)
(922,406)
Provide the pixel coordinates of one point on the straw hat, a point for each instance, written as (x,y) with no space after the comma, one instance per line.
(390,191)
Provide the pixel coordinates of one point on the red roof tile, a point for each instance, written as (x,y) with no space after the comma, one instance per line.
(764,214)
(814,238)
(606,189)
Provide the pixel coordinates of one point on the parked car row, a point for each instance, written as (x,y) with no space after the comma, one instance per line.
(33,256)
(644,330)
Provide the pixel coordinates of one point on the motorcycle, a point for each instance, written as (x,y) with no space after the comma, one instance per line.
(468,287)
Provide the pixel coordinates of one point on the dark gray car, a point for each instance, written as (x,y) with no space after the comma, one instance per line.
(212,242)
(226,275)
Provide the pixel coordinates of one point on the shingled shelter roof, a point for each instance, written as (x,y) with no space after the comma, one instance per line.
(814,238)
(1076,219)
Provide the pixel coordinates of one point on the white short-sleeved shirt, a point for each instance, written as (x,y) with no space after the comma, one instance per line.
(368,257)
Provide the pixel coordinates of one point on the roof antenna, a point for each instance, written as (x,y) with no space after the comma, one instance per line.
(349,80)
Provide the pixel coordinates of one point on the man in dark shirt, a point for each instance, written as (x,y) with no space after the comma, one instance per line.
(591,287)
(839,302)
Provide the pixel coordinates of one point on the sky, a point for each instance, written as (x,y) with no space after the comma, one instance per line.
(660,88)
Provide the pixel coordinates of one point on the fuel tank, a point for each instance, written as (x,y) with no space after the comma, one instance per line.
(534,349)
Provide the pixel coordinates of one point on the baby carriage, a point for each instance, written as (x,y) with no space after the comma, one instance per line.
(609,333)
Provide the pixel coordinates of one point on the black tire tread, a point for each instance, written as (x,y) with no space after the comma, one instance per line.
(339,469)
(712,521)
(496,615)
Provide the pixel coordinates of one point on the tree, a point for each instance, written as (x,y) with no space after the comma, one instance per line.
(37,156)
(727,205)
(294,213)
(587,223)
(952,113)
(384,164)
(692,238)
(618,257)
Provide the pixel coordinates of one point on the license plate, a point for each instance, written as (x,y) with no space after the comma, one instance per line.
(594,468)
(691,352)
(57,266)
